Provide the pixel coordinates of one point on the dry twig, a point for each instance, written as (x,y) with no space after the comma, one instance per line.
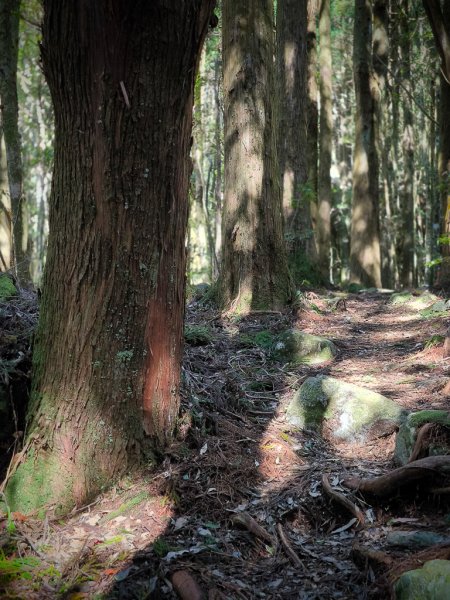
(343,500)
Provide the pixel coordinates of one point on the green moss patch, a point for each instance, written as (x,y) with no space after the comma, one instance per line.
(7,288)
(297,347)
(431,582)
(407,434)
(350,412)
(125,507)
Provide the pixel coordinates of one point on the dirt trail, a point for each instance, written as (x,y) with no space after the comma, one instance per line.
(236,455)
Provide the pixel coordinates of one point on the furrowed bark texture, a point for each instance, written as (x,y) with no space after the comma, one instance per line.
(5,212)
(444,166)
(325,140)
(9,104)
(312,127)
(107,357)
(254,271)
(292,146)
(365,240)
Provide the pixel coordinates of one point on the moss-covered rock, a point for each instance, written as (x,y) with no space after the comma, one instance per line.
(7,288)
(407,434)
(351,413)
(431,582)
(298,347)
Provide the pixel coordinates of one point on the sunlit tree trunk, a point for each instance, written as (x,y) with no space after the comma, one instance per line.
(325,140)
(108,348)
(254,273)
(380,49)
(365,241)
(312,112)
(407,268)
(5,212)
(292,147)
(9,46)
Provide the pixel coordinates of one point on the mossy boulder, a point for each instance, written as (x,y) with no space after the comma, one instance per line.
(297,347)
(407,434)
(431,582)
(7,288)
(348,412)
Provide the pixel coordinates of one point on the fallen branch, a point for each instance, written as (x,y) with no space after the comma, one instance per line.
(341,499)
(186,586)
(287,546)
(249,523)
(387,484)
(419,446)
(362,557)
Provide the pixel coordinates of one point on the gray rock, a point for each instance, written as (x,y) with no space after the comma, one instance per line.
(351,413)
(416,539)
(297,347)
(431,582)
(407,434)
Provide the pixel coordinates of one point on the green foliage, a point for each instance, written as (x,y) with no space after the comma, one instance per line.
(198,335)
(261,339)
(7,288)
(17,568)
(434,340)
(161,547)
(125,507)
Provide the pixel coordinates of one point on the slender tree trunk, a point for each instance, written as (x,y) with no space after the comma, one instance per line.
(312,112)
(444,167)
(365,241)
(380,65)
(407,270)
(9,46)
(108,348)
(254,271)
(292,146)
(5,212)
(325,140)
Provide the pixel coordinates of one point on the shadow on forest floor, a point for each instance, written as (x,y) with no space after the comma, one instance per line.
(236,457)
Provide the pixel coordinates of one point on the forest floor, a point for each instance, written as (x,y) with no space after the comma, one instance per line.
(237,509)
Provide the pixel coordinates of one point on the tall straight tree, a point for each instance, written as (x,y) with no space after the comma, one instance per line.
(9,48)
(365,267)
(312,113)
(325,140)
(254,272)
(292,147)
(440,23)
(107,355)
(407,269)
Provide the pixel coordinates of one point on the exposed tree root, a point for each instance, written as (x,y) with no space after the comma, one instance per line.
(288,548)
(343,500)
(363,557)
(186,586)
(388,484)
(420,444)
(249,523)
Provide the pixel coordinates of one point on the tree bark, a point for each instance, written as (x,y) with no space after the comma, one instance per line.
(365,240)
(292,145)
(312,112)
(407,267)
(5,212)
(108,347)
(325,141)
(9,105)
(254,273)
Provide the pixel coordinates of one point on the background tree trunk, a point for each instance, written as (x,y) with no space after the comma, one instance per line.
(325,141)
(365,243)
(312,112)
(9,47)
(107,354)
(292,146)
(254,273)
(5,212)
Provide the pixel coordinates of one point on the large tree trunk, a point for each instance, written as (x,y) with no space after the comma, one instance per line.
(292,148)
(365,240)
(254,272)
(325,141)
(107,356)
(9,47)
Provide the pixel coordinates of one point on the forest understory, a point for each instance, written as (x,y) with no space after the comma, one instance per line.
(244,505)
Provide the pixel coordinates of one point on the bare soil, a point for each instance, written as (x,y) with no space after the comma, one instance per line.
(236,508)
